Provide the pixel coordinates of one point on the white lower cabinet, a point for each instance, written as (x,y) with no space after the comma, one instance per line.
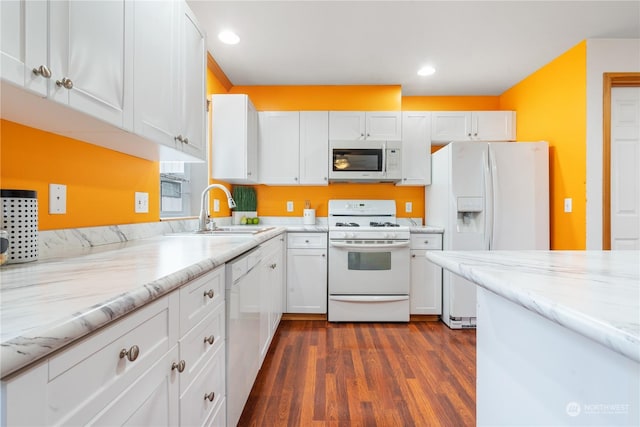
(426,277)
(139,370)
(271,291)
(307,273)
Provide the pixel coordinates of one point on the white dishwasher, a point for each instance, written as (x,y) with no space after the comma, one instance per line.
(243,330)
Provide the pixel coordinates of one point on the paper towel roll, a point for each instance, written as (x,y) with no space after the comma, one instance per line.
(309,217)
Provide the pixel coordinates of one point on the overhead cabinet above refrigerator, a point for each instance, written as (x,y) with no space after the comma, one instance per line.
(450,126)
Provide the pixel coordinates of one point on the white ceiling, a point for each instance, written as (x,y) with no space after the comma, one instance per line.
(477,47)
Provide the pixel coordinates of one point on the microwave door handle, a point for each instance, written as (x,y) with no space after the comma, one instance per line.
(384,158)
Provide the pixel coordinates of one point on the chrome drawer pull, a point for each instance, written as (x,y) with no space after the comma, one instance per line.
(43,71)
(209,293)
(131,354)
(65,83)
(210,396)
(210,339)
(179,366)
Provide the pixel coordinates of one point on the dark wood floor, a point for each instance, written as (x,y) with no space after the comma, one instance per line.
(365,374)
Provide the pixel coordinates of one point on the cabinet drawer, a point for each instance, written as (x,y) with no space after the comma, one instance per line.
(195,348)
(195,406)
(198,298)
(83,379)
(307,240)
(426,241)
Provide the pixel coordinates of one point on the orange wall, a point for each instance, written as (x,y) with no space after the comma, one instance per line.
(100,183)
(450,103)
(551,106)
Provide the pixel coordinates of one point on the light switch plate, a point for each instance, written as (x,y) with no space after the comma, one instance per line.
(408,207)
(290,206)
(57,199)
(142,202)
(216,205)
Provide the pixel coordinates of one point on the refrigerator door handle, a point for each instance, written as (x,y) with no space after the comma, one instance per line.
(494,198)
(488,201)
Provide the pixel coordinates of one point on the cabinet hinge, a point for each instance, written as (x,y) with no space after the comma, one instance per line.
(208,105)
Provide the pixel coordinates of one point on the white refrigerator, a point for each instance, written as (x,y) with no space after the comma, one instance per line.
(487,196)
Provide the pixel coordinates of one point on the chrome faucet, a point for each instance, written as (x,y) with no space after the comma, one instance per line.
(204,214)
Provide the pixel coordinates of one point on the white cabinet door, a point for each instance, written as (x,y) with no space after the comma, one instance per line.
(314,148)
(152,400)
(383,126)
(347,125)
(426,277)
(447,126)
(372,126)
(193,85)
(278,147)
(416,148)
(493,125)
(426,285)
(91,58)
(23,45)
(234,127)
(306,281)
(156,71)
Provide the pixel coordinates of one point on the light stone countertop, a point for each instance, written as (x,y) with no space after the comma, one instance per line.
(49,303)
(593,293)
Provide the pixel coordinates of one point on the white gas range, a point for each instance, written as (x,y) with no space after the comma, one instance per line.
(368,262)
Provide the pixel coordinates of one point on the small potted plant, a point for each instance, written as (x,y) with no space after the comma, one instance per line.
(246,204)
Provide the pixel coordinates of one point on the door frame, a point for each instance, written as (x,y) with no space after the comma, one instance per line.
(610,80)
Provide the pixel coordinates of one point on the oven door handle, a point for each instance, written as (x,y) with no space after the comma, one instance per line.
(367,246)
(368,298)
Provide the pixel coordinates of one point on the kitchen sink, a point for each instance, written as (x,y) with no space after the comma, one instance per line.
(240,229)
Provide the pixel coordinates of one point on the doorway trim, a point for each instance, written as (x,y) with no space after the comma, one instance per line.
(610,80)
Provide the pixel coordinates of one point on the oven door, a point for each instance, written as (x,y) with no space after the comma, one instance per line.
(365,267)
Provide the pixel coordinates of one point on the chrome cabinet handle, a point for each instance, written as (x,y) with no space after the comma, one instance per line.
(210,339)
(131,354)
(426,242)
(179,366)
(43,71)
(209,293)
(210,396)
(306,241)
(185,140)
(65,83)
(413,255)
(273,266)
(323,255)
(179,138)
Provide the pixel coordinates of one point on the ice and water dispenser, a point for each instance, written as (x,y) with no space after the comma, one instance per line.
(470,218)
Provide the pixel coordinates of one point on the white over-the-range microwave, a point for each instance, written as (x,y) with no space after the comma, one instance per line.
(377,161)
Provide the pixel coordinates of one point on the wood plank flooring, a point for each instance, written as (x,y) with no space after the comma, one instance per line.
(365,374)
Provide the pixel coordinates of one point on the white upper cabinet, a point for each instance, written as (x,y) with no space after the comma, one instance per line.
(450,126)
(293,147)
(314,148)
(234,140)
(90,51)
(156,71)
(193,85)
(23,48)
(416,148)
(278,147)
(371,126)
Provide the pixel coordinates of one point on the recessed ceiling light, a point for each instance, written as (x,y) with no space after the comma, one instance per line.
(228,37)
(426,71)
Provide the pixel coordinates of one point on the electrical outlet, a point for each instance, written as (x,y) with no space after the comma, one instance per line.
(290,206)
(408,207)
(57,199)
(568,202)
(216,205)
(142,202)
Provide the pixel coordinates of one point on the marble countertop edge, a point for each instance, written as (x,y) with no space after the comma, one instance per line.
(493,279)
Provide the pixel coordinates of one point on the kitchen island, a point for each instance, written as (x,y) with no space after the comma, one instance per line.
(558,335)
